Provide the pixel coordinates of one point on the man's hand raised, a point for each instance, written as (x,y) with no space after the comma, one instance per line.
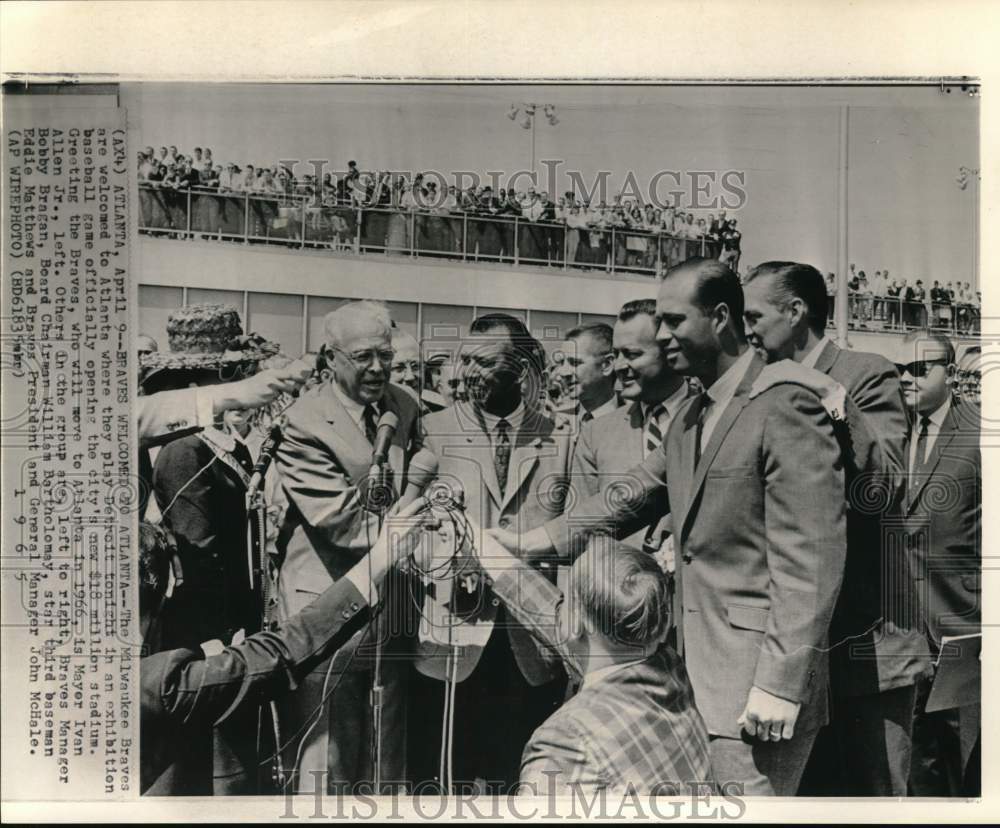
(260,389)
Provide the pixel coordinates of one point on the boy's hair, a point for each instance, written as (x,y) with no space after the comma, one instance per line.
(622,592)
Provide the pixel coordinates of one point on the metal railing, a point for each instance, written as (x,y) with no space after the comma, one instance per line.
(301,221)
(899,314)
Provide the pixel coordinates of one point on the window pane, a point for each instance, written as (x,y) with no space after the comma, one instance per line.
(277,317)
(155,305)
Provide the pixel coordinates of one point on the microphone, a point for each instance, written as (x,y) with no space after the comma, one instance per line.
(267,451)
(384,432)
(378,496)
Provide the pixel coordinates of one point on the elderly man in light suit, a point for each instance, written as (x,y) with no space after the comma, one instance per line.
(323,463)
(757,499)
(512,462)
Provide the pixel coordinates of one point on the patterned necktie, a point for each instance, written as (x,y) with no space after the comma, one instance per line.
(370,419)
(918,457)
(652,436)
(501,453)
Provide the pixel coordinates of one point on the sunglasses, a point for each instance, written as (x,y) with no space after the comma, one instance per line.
(919,368)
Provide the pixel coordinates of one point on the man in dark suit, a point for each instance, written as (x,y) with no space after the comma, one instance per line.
(323,463)
(877,650)
(946,541)
(512,463)
(184,693)
(757,493)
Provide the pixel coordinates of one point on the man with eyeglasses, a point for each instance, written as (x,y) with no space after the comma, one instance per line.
(943,512)
(323,463)
(877,655)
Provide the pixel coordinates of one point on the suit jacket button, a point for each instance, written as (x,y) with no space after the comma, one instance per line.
(346,614)
(504,523)
(354,606)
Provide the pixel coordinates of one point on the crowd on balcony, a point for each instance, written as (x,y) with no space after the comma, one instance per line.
(388,212)
(897,304)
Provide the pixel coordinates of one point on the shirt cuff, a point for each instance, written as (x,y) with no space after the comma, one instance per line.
(358,575)
(205,406)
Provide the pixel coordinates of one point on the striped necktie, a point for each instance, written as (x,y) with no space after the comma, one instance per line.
(652,436)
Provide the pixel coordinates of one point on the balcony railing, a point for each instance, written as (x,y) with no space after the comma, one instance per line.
(299,221)
(897,314)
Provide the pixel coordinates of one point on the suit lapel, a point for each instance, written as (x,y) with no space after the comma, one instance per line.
(944,438)
(524,456)
(477,445)
(346,439)
(722,428)
(827,357)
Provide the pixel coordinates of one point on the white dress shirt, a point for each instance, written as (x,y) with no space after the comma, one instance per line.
(514,420)
(670,406)
(355,410)
(810,359)
(721,393)
(933,429)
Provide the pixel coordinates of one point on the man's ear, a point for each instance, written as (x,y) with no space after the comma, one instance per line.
(720,318)
(797,311)
(608,366)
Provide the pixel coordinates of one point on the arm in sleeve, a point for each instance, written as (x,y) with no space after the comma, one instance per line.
(804,515)
(878,425)
(318,485)
(619,510)
(267,664)
(530,597)
(158,415)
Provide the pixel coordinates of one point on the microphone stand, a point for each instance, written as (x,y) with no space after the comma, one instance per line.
(377,503)
(260,581)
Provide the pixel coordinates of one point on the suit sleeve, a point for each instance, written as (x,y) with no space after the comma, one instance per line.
(621,510)
(531,599)
(878,427)
(159,415)
(318,485)
(804,515)
(183,685)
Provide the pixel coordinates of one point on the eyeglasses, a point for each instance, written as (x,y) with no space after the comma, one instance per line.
(919,368)
(365,358)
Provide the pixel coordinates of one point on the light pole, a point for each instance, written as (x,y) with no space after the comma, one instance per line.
(527,112)
(965,175)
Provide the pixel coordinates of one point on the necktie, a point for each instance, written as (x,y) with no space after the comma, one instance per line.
(501,453)
(921,448)
(370,419)
(652,436)
(587,417)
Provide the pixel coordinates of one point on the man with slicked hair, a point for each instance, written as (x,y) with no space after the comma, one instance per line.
(757,500)
(877,651)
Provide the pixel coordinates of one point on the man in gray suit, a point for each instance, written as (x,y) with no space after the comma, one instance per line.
(877,651)
(757,488)
(323,463)
(611,445)
(512,463)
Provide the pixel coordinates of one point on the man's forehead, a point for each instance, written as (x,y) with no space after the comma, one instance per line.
(639,328)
